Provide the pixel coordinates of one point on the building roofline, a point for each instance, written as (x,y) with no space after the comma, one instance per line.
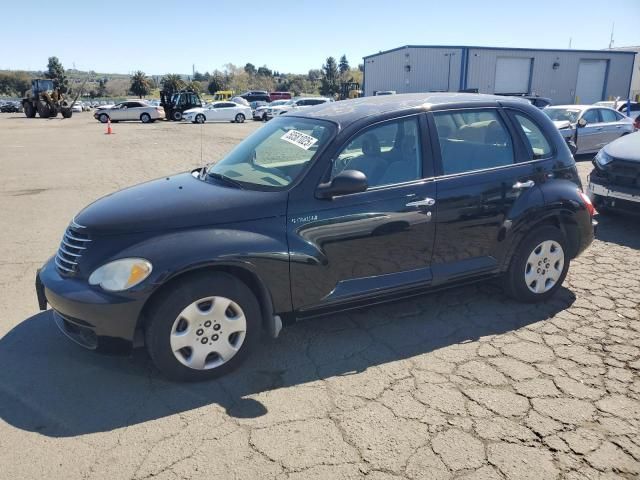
(559,50)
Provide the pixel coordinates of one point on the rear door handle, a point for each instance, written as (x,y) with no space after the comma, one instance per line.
(427,202)
(521,185)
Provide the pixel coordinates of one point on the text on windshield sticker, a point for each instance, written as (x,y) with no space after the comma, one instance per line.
(299,139)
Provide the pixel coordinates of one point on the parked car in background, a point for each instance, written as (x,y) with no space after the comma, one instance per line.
(218,112)
(614,182)
(256,95)
(77,107)
(330,209)
(257,103)
(10,107)
(280,96)
(134,110)
(260,113)
(621,106)
(384,92)
(295,104)
(590,127)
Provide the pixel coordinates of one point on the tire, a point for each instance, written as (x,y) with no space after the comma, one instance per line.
(43,110)
(200,118)
(103,117)
(145,118)
(539,266)
(29,111)
(176,116)
(66,113)
(239,118)
(185,315)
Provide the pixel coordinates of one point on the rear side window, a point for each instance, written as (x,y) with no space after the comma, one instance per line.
(472,140)
(536,139)
(591,116)
(608,115)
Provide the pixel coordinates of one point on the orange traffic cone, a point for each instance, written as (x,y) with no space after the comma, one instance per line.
(109,131)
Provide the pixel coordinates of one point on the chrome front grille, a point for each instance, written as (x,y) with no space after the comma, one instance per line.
(73,245)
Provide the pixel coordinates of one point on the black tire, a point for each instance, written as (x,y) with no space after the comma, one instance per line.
(239,118)
(29,111)
(166,308)
(514,282)
(103,118)
(43,110)
(145,118)
(176,116)
(200,118)
(66,112)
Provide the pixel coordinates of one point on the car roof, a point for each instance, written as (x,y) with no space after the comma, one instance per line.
(348,111)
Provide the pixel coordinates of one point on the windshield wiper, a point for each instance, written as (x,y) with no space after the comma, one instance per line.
(225,179)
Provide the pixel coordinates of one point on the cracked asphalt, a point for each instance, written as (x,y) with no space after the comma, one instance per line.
(461,384)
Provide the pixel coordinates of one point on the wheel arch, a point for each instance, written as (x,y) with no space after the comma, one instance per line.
(246,275)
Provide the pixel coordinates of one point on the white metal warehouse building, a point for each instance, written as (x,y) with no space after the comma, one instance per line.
(565,76)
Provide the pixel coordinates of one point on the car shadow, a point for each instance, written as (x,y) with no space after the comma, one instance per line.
(620,228)
(51,386)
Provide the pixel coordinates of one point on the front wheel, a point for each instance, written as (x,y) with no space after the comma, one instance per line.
(239,118)
(539,266)
(103,117)
(203,328)
(200,118)
(176,116)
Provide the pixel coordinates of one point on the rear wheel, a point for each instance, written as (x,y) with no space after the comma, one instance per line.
(239,118)
(176,116)
(103,117)
(145,118)
(66,112)
(43,110)
(539,266)
(200,118)
(203,328)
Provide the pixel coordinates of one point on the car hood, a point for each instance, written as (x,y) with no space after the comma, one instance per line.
(560,124)
(180,201)
(193,110)
(625,148)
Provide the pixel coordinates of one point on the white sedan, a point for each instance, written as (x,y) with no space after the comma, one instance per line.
(218,112)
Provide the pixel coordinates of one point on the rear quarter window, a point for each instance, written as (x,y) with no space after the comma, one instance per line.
(538,143)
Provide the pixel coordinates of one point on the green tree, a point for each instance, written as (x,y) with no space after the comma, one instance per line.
(195,86)
(250,69)
(343,67)
(216,83)
(172,82)
(198,77)
(55,71)
(140,84)
(102,87)
(264,71)
(329,78)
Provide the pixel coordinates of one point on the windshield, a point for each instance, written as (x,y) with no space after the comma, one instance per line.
(275,103)
(276,154)
(562,114)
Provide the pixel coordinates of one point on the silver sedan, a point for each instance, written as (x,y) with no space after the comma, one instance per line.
(590,126)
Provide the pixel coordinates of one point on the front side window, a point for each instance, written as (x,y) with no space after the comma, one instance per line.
(386,154)
(276,154)
(537,141)
(591,116)
(472,140)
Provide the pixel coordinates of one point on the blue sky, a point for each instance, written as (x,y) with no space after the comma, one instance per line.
(122,36)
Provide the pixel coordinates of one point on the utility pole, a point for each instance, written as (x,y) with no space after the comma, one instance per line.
(570,43)
(611,40)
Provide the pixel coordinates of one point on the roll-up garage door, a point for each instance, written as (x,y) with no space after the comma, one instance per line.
(590,84)
(512,74)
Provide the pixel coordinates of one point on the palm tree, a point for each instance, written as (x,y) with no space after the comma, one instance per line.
(172,82)
(140,84)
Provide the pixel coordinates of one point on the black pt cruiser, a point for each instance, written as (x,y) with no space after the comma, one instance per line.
(345,204)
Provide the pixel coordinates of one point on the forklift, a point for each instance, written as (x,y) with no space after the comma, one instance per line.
(175,103)
(349,90)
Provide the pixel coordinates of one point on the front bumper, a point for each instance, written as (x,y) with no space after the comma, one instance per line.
(613,191)
(89,316)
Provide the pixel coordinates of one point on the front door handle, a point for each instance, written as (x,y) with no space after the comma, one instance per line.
(521,185)
(427,202)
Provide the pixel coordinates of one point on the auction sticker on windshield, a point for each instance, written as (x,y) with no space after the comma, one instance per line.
(300,139)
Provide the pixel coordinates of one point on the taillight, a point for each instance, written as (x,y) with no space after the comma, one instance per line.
(636,124)
(587,203)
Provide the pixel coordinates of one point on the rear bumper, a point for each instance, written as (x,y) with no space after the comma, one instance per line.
(89,316)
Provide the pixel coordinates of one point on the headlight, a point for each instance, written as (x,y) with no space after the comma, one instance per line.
(121,274)
(603,158)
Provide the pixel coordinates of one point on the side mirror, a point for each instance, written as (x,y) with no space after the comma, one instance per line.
(582,123)
(346,182)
